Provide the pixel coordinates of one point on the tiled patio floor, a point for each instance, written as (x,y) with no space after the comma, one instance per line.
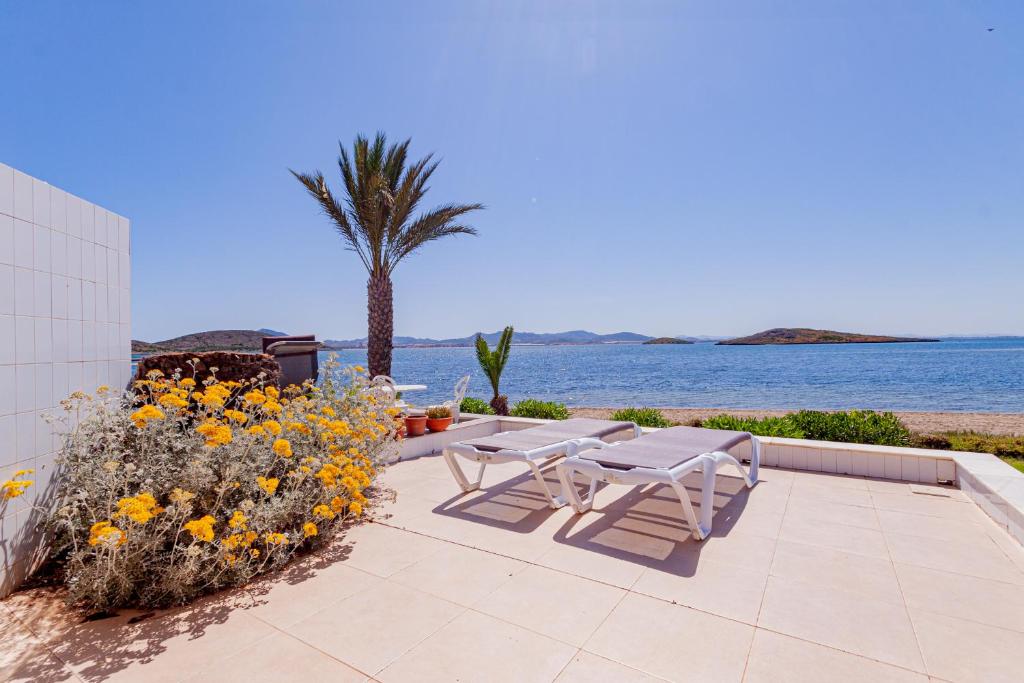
(808,577)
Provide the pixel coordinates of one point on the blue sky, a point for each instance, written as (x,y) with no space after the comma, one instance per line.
(667,168)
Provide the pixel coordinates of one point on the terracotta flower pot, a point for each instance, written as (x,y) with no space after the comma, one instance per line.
(438,424)
(415,425)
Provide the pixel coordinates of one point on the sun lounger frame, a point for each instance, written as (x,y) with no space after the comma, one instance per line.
(708,464)
(543,455)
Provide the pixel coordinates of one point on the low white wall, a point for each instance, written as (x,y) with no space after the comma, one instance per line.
(64,326)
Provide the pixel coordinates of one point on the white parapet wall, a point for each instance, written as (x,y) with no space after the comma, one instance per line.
(64,326)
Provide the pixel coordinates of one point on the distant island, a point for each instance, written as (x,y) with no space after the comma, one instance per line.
(214,340)
(668,340)
(804,335)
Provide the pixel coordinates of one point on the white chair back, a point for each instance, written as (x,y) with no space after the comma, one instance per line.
(387,385)
(460,393)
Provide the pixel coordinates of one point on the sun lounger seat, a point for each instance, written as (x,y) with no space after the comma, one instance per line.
(530,446)
(661,457)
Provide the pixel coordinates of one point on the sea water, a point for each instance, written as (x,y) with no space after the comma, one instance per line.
(976,375)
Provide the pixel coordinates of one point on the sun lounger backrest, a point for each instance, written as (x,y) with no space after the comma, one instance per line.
(550,433)
(666,448)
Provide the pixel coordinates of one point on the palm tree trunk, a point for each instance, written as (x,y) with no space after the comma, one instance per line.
(380,324)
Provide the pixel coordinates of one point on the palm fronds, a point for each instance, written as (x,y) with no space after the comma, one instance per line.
(492,362)
(378,218)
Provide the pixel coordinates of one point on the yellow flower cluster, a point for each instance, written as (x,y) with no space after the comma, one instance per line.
(201,529)
(283,448)
(106,534)
(216,434)
(275,538)
(146,413)
(140,509)
(269,485)
(14,487)
(238,520)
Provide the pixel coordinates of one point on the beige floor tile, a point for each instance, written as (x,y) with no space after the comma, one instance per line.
(833,513)
(284,599)
(821,491)
(23,657)
(918,504)
(908,489)
(837,570)
(775,658)
(476,647)
(278,658)
(371,629)
(871,628)
(829,481)
(171,647)
(458,574)
(949,529)
(586,667)
(555,604)
(1007,543)
(956,595)
(383,550)
(628,534)
(981,557)
(836,536)
(965,651)
(671,641)
(592,562)
(721,588)
(748,551)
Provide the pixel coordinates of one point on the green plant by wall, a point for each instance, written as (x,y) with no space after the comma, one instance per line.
(477,406)
(765,426)
(492,362)
(542,410)
(855,426)
(645,417)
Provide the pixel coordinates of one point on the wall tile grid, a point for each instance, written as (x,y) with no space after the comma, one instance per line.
(64,326)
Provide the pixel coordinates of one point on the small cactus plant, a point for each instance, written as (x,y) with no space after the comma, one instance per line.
(438,412)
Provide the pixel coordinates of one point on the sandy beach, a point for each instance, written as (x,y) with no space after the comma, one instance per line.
(925,423)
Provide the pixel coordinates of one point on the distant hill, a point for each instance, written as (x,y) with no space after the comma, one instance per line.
(547,338)
(668,340)
(804,335)
(214,340)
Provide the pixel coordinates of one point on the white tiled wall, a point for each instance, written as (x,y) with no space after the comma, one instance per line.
(64,326)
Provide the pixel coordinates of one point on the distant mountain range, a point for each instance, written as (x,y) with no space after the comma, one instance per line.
(540,338)
(250,340)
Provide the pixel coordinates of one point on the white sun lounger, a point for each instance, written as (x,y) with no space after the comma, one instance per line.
(530,446)
(661,457)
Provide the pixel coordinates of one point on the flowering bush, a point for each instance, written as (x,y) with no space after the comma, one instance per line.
(194,485)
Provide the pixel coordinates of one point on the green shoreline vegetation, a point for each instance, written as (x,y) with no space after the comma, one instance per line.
(854,426)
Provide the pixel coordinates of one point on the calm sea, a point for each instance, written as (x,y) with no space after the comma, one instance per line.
(957,375)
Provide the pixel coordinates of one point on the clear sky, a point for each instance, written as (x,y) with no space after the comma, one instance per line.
(666,168)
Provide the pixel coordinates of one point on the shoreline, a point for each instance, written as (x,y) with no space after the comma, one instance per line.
(922,422)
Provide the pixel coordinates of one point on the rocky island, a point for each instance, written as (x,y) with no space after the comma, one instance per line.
(805,335)
(667,340)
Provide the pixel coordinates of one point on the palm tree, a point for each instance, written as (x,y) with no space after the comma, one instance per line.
(493,363)
(376,221)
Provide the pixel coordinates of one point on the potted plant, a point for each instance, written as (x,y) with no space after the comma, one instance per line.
(439,418)
(415,425)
